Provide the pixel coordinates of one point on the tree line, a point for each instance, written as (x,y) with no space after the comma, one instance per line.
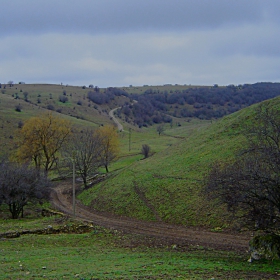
(154,106)
(46,143)
(105,97)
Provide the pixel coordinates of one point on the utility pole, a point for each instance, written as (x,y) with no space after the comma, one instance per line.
(72,159)
(74,190)
(129,137)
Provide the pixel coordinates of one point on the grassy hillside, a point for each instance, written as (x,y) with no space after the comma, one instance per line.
(45,96)
(35,99)
(84,106)
(167,185)
(163,187)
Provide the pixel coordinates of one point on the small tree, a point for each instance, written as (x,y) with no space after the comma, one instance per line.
(110,144)
(20,124)
(10,83)
(20,184)
(18,108)
(63,98)
(25,94)
(160,129)
(145,151)
(85,150)
(41,139)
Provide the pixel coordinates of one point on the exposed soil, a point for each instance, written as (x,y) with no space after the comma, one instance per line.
(62,200)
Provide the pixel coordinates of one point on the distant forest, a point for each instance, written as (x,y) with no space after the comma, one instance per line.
(155,107)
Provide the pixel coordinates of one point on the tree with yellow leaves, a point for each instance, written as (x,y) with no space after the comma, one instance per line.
(110,144)
(40,140)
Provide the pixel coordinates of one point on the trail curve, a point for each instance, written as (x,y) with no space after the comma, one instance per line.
(61,200)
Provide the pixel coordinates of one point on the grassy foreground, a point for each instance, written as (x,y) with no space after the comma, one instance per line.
(104,254)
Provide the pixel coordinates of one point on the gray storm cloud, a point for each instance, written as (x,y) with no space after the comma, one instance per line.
(99,16)
(116,43)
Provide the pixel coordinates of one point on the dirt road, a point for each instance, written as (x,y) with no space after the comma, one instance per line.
(111,114)
(61,200)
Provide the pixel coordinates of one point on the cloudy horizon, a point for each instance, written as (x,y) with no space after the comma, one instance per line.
(129,42)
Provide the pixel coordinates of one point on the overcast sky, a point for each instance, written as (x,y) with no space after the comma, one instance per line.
(132,42)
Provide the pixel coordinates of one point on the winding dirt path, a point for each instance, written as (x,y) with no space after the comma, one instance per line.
(111,114)
(62,200)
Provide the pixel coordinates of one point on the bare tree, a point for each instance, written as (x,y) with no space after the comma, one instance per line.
(25,94)
(20,124)
(85,150)
(10,83)
(250,186)
(160,129)
(145,151)
(20,184)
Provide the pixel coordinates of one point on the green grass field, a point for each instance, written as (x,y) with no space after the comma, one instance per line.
(105,254)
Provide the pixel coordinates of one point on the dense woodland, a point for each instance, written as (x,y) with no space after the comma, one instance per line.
(160,105)
(154,106)
(105,97)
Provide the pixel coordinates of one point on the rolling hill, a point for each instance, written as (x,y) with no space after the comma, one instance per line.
(164,187)
(139,107)
(167,186)
(22,101)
